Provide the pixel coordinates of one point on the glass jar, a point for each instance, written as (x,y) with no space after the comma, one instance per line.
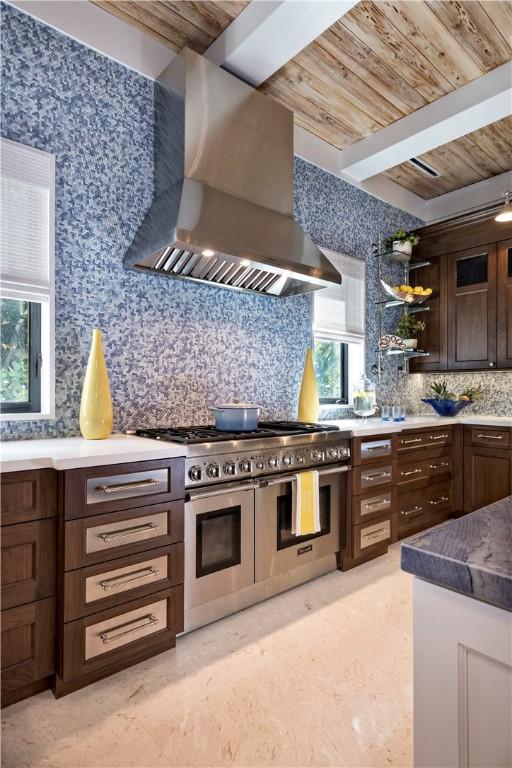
(364,398)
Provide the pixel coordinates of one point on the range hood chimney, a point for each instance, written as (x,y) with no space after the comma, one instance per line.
(222,211)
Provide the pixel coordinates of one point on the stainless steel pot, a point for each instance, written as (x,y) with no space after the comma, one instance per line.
(236,417)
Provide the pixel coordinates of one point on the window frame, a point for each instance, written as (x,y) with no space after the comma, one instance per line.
(33,404)
(343,399)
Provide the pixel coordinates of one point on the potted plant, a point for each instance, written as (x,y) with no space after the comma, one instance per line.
(402,242)
(447,403)
(408,327)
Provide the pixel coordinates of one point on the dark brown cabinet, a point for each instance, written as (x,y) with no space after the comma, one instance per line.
(504,306)
(487,466)
(469,321)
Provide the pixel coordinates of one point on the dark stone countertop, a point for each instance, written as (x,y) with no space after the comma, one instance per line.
(472,554)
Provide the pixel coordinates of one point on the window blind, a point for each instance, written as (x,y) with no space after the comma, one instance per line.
(26,225)
(339,309)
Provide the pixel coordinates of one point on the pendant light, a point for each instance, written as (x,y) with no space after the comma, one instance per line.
(505,213)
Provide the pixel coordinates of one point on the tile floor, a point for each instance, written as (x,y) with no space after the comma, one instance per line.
(318,676)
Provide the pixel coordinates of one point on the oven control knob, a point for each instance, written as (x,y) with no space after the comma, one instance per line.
(260,465)
(333,453)
(212,470)
(317,455)
(345,452)
(229,468)
(195,473)
(273,462)
(245,466)
(299,459)
(287,460)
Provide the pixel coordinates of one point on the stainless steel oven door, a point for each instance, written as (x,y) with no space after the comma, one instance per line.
(277,549)
(219,543)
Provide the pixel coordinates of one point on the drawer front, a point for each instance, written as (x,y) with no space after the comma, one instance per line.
(28,562)
(375,449)
(372,505)
(432,438)
(94,490)
(30,495)
(28,646)
(494,438)
(98,587)
(103,537)
(371,536)
(413,471)
(114,639)
(419,509)
(365,478)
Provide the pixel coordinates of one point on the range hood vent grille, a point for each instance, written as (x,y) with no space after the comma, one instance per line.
(217,270)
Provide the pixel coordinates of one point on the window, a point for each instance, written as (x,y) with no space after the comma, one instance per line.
(26,282)
(338,328)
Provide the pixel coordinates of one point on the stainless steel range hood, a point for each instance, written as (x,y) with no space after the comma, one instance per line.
(222,211)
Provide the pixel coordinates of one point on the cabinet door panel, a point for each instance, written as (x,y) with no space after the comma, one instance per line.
(471,293)
(28,562)
(504,337)
(487,476)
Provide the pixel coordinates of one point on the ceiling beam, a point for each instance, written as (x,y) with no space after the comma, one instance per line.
(475,196)
(268,33)
(479,103)
(105,33)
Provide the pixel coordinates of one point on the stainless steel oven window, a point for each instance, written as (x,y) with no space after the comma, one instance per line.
(285,537)
(218,540)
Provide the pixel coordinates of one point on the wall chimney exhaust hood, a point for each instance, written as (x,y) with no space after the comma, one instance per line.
(222,211)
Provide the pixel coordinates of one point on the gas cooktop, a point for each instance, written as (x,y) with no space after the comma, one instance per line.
(209,434)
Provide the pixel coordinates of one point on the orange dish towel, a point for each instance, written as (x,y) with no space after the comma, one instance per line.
(306,504)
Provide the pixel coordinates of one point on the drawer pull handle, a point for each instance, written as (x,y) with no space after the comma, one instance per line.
(147,528)
(415,440)
(376,448)
(438,437)
(128,486)
(491,437)
(439,466)
(109,637)
(411,472)
(120,581)
(434,502)
(375,534)
(413,511)
(372,504)
(376,475)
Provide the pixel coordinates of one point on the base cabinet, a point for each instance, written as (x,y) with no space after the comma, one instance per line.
(487,467)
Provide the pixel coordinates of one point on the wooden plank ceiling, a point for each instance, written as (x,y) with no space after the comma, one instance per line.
(378,63)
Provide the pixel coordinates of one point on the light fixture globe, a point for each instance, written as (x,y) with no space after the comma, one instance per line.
(505,213)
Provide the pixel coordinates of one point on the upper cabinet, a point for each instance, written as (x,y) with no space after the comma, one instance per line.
(469,324)
(504,305)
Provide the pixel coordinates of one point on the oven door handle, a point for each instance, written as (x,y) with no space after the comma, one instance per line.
(222,491)
(290,477)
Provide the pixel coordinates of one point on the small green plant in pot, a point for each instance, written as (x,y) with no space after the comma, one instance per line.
(408,327)
(402,242)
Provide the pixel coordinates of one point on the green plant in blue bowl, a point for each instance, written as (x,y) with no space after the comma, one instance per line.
(447,403)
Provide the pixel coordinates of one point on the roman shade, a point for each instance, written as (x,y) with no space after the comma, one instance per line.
(339,309)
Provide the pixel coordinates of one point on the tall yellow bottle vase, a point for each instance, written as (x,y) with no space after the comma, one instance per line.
(309,405)
(96,414)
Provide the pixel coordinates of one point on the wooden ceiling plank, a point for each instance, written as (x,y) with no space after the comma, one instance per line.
(161,16)
(367,23)
(454,164)
(353,54)
(305,110)
(205,15)
(488,162)
(428,34)
(411,180)
(121,10)
(302,81)
(230,7)
(500,13)
(472,26)
(339,80)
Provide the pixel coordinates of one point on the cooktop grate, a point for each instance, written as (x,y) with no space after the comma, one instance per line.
(209,434)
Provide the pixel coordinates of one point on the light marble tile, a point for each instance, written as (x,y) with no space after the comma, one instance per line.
(320,675)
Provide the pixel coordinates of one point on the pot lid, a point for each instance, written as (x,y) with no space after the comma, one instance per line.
(224,406)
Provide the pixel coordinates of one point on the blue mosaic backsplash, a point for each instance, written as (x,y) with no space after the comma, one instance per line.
(172,347)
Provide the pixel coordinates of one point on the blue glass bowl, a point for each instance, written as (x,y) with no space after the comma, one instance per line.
(446,407)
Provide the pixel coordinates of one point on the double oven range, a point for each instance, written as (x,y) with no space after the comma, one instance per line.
(239,544)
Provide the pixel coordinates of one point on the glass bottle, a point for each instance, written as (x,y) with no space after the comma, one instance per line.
(364,397)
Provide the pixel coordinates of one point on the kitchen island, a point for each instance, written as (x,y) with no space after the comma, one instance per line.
(463,639)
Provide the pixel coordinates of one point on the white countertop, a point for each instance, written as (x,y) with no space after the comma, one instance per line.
(73,452)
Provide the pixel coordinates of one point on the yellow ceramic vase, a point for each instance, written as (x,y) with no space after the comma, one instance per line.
(96,406)
(309,404)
